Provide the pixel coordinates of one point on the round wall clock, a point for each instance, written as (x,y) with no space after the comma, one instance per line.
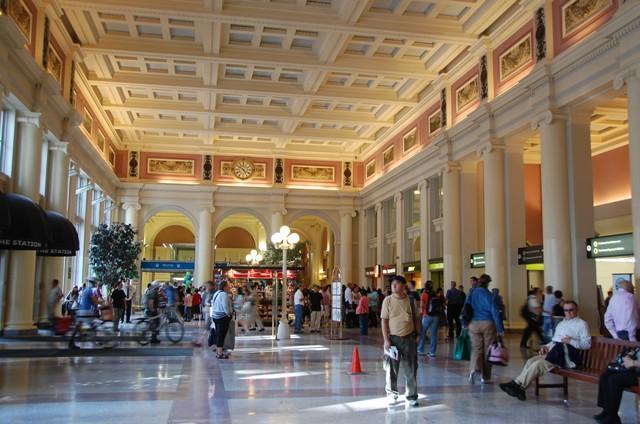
(243,169)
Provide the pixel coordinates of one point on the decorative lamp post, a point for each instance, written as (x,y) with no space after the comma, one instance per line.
(284,240)
(254,258)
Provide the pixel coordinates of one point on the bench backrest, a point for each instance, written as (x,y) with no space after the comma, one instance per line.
(603,351)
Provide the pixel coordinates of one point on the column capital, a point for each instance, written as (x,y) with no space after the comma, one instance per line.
(450,166)
(131,205)
(626,75)
(397,197)
(207,208)
(423,185)
(59,146)
(378,206)
(489,147)
(70,124)
(31,118)
(546,118)
(349,213)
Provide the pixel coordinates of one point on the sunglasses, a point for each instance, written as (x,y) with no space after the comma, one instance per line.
(569,310)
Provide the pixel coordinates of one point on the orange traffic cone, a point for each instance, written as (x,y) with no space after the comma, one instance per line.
(355,362)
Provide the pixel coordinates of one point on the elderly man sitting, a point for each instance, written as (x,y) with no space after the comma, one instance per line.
(571,336)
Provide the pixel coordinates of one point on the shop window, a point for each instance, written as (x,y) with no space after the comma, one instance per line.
(7,131)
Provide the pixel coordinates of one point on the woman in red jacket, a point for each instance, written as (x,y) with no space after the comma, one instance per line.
(363,314)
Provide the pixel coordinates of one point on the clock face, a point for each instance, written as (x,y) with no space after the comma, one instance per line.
(243,169)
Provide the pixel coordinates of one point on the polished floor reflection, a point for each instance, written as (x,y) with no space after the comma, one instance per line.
(303,380)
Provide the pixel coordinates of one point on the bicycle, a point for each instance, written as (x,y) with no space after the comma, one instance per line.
(171,324)
(91,332)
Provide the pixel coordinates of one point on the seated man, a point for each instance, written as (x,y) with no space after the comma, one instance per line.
(571,336)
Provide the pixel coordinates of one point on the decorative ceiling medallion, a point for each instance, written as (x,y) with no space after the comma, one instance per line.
(243,169)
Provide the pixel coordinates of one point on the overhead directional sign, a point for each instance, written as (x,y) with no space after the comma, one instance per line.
(477,260)
(530,255)
(607,246)
(166,266)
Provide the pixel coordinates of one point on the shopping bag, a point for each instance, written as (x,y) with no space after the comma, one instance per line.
(230,338)
(462,348)
(212,335)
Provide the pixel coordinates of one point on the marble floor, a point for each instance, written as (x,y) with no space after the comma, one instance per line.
(303,380)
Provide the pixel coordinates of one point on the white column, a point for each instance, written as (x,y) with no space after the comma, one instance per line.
(451,213)
(582,220)
(495,246)
(57,196)
(425,224)
(88,224)
(363,237)
(470,218)
(556,231)
(516,231)
(380,240)
(22,264)
(401,233)
(276,222)
(346,245)
(204,247)
(633,104)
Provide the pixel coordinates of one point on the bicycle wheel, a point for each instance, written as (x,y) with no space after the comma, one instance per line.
(106,337)
(174,330)
(141,331)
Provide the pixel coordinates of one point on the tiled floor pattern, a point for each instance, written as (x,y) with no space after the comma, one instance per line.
(303,380)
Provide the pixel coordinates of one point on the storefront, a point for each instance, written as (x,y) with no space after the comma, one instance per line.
(533,258)
(372,273)
(614,259)
(436,269)
(411,271)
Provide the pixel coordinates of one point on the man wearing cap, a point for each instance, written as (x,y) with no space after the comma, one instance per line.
(400,324)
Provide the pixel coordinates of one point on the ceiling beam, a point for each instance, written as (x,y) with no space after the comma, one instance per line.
(314,19)
(250,112)
(277,58)
(257,88)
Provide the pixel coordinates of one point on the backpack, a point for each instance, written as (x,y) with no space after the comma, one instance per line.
(436,306)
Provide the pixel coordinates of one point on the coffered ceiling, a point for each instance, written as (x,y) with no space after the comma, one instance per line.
(297,78)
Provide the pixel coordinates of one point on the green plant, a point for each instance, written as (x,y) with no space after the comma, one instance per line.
(113,252)
(294,255)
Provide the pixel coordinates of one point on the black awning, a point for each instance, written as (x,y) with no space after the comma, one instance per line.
(25,227)
(64,237)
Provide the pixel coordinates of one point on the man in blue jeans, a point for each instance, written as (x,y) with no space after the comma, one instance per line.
(298,307)
(431,305)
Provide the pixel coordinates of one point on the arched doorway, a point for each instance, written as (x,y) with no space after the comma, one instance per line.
(236,236)
(319,256)
(169,236)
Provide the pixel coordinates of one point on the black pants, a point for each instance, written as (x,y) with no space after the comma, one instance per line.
(610,389)
(533,326)
(128,311)
(453,319)
(222,327)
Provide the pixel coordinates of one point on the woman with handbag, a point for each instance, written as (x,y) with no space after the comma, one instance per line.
(221,311)
(612,384)
(485,322)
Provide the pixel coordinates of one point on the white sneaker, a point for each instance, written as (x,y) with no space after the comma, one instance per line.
(413,402)
(483,381)
(392,399)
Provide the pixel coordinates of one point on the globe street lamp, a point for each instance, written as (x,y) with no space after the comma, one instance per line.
(285,240)
(254,257)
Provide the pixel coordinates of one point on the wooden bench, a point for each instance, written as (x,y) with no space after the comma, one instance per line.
(603,351)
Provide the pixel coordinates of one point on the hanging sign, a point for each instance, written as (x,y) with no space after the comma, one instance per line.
(477,260)
(607,246)
(530,255)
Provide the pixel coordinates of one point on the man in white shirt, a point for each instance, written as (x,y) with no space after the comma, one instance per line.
(621,318)
(572,331)
(298,307)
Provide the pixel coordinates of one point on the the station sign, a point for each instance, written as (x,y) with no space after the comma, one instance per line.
(530,255)
(477,260)
(436,264)
(607,246)
(389,270)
